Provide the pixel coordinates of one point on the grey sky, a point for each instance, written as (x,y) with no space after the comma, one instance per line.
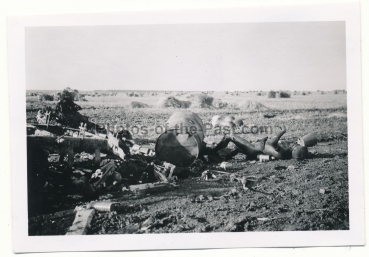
(248,56)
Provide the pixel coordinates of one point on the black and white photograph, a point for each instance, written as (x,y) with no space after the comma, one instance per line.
(190,128)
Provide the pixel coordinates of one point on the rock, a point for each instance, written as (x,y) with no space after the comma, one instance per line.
(312,151)
(223,198)
(147,223)
(291,167)
(200,229)
(283,209)
(201,198)
(247,226)
(231,227)
(279,167)
(319,177)
(232,178)
(251,209)
(295,192)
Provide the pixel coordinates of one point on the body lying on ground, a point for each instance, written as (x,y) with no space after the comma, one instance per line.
(263,146)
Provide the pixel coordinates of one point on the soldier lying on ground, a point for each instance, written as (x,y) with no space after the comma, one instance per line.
(263,146)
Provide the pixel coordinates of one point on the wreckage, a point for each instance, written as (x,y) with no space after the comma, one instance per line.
(182,143)
(71,134)
(180,146)
(68,140)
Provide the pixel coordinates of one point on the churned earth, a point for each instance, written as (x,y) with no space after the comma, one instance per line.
(290,195)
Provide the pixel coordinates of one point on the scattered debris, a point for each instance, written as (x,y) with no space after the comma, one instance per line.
(263,219)
(207,174)
(295,192)
(313,151)
(81,222)
(220,172)
(104,223)
(248,183)
(265,158)
(233,178)
(226,165)
(104,206)
(279,168)
(269,116)
(150,188)
(319,177)
(105,176)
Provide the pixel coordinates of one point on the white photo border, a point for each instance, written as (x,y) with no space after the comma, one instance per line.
(348,12)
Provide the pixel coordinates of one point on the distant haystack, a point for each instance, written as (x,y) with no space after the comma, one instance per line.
(202,101)
(172,102)
(252,106)
(47,97)
(278,94)
(217,103)
(283,94)
(139,105)
(57,97)
(272,94)
(133,94)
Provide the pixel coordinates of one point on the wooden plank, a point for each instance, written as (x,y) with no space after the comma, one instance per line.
(51,128)
(221,172)
(81,222)
(150,188)
(79,144)
(87,144)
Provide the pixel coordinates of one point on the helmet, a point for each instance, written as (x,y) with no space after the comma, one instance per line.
(300,152)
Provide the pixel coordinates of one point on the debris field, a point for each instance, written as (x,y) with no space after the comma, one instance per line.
(291,195)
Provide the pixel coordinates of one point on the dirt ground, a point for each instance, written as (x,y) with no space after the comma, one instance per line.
(291,195)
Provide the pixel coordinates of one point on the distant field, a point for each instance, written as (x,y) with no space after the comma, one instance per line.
(314,100)
(301,114)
